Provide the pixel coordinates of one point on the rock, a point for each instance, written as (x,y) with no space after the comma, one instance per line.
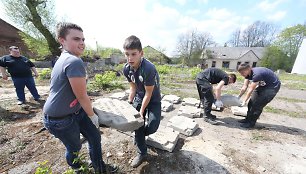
(189,111)
(165,138)
(240,111)
(166,106)
(172,99)
(230,100)
(190,102)
(117,114)
(184,125)
(120,96)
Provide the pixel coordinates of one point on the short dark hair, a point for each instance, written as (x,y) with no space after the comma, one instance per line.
(62,29)
(233,76)
(132,42)
(243,66)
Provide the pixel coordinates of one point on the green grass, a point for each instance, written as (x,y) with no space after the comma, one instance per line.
(292,100)
(284,112)
(260,136)
(292,77)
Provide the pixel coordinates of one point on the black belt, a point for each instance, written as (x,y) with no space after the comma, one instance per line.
(62,117)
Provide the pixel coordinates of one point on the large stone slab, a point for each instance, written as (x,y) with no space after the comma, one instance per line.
(240,111)
(166,106)
(189,111)
(172,99)
(117,114)
(230,100)
(190,102)
(120,96)
(164,138)
(183,125)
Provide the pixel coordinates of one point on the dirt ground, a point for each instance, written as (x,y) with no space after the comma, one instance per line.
(276,145)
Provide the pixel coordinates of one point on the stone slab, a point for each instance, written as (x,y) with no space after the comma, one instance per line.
(166,106)
(164,138)
(183,125)
(189,111)
(172,99)
(120,96)
(240,111)
(117,114)
(190,102)
(230,100)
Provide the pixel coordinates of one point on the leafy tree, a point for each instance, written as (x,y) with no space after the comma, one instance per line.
(274,58)
(36,18)
(156,55)
(106,52)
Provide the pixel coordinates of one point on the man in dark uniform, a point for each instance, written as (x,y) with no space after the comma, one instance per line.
(263,88)
(144,93)
(20,69)
(204,83)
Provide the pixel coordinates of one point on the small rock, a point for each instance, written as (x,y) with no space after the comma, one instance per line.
(108,154)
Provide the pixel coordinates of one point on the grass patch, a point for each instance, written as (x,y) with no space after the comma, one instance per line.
(260,136)
(295,85)
(292,77)
(292,100)
(284,112)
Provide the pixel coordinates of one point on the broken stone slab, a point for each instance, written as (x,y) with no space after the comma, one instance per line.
(240,111)
(190,102)
(230,100)
(166,106)
(164,138)
(117,114)
(172,99)
(183,125)
(120,96)
(189,111)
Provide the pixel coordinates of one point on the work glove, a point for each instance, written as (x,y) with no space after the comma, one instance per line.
(219,104)
(95,120)
(243,103)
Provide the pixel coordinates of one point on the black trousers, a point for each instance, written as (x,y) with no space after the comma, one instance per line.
(259,99)
(205,91)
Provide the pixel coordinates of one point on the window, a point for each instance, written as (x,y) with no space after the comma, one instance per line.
(254,64)
(238,63)
(225,64)
(247,62)
(213,64)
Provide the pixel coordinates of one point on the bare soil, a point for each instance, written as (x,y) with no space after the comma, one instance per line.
(276,145)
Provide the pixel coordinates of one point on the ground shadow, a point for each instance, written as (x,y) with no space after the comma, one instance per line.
(233,123)
(181,162)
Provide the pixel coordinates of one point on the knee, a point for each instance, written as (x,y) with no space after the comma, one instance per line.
(152,127)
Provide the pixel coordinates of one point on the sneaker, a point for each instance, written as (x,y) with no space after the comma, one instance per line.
(211,120)
(247,125)
(139,159)
(20,102)
(110,168)
(243,121)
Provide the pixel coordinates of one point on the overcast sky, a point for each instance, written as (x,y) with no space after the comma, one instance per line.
(159,22)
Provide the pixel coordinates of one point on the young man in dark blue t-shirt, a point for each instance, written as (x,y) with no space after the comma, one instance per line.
(144,93)
(262,89)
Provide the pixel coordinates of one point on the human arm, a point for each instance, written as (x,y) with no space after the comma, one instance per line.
(3,71)
(244,87)
(132,92)
(146,99)
(249,92)
(35,71)
(218,89)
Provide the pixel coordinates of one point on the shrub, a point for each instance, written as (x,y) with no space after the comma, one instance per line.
(194,72)
(45,74)
(108,80)
(43,168)
(163,69)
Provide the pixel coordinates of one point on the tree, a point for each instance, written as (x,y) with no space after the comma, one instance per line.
(258,34)
(36,18)
(156,55)
(191,45)
(274,58)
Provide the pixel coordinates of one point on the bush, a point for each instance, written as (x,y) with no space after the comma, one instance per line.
(163,69)
(43,168)
(194,72)
(108,80)
(45,74)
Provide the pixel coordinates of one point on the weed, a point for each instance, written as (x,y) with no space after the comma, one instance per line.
(43,168)
(45,74)
(107,81)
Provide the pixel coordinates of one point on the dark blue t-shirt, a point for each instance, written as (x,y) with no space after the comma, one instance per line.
(17,66)
(145,75)
(266,78)
(214,76)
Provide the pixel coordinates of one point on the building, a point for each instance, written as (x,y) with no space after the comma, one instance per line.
(300,61)
(9,36)
(232,57)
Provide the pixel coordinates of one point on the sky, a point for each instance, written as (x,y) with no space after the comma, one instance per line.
(158,23)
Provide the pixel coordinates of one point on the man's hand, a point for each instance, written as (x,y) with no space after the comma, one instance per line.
(36,75)
(219,104)
(243,103)
(95,120)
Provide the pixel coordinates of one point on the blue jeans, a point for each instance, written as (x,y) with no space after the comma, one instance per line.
(20,83)
(68,131)
(153,111)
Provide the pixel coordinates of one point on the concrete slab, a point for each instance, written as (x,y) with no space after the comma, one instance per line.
(183,125)
(230,100)
(120,96)
(240,111)
(165,138)
(190,102)
(189,111)
(172,99)
(166,106)
(117,114)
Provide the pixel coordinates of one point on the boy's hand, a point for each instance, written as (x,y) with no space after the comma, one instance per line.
(219,104)
(95,120)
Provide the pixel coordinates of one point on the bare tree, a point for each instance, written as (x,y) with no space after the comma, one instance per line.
(36,18)
(235,38)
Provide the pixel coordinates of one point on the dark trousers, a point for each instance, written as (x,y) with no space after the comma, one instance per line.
(259,99)
(153,112)
(206,94)
(20,83)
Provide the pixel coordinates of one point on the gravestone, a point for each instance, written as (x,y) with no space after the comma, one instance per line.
(172,99)
(190,102)
(189,111)
(240,111)
(164,138)
(120,96)
(183,125)
(166,106)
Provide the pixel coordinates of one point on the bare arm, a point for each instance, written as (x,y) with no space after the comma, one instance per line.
(132,92)
(218,89)
(3,71)
(244,87)
(35,72)
(78,85)
(250,90)
(146,98)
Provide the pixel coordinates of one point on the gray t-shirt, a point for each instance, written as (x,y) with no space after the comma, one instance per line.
(61,100)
